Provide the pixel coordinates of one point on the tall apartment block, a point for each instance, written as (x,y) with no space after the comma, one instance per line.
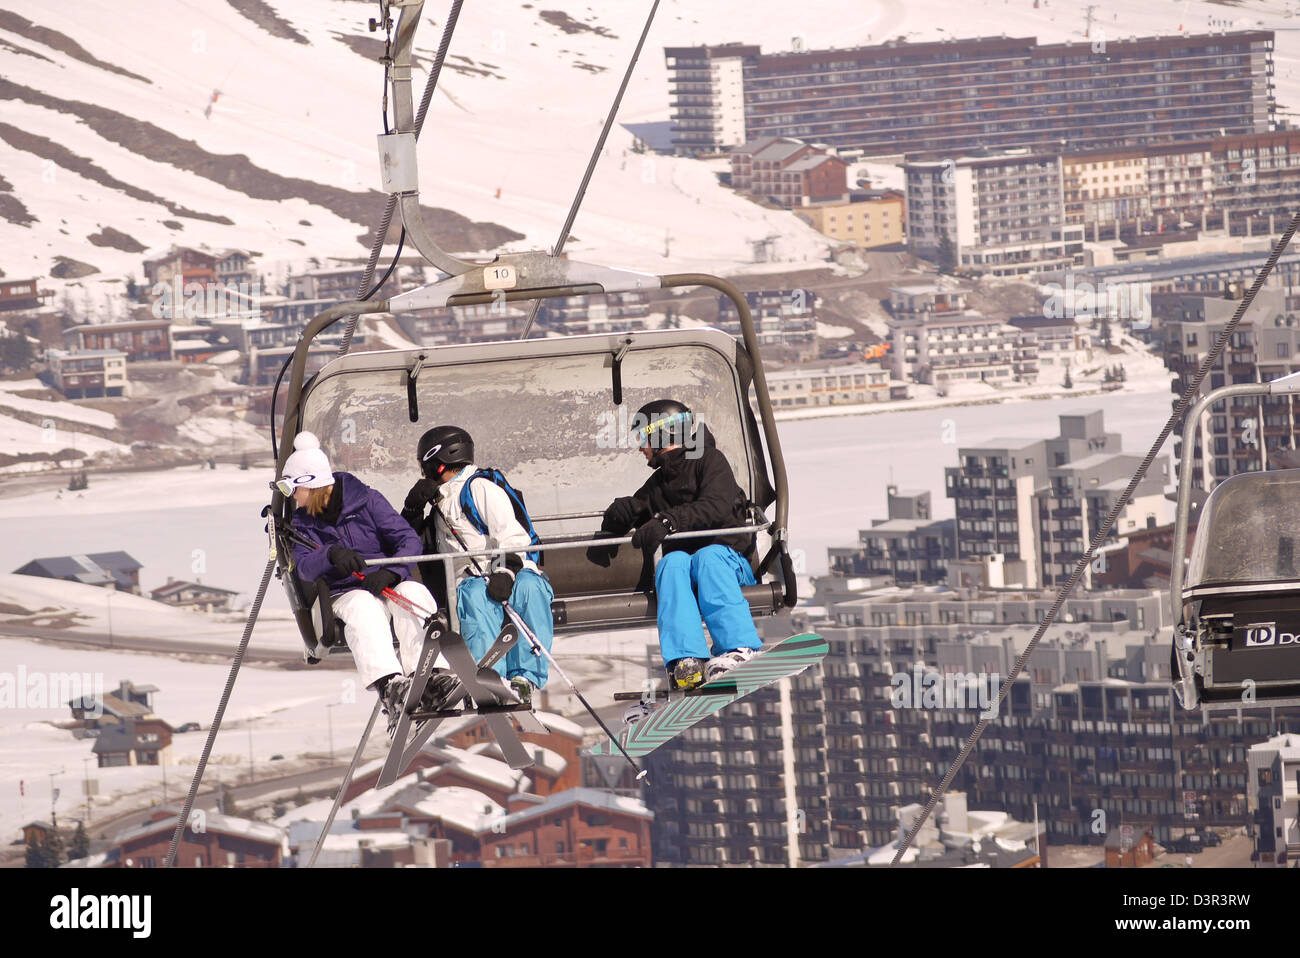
(1275,801)
(1090,726)
(1030,508)
(909,546)
(1249,433)
(1003,212)
(706,91)
(949,97)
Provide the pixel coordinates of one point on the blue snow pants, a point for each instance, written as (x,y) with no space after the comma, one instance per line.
(481,620)
(705,584)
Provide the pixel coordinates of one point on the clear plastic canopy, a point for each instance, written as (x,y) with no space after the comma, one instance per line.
(1248,531)
(542,411)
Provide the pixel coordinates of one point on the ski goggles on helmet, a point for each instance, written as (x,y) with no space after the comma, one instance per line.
(665,431)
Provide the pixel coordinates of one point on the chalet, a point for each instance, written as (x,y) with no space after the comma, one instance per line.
(144,339)
(472,760)
(21,294)
(128,701)
(1127,846)
(742,160)
(224,842)
(577,827)
(87,373)
(788,172)
(190,265)
(194,595)
(37,831)
(134,741)
(114,570)
(233,267)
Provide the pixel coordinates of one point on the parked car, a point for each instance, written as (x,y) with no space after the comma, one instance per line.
(277,758)
(188,727)
(1211,839)
(1188,844)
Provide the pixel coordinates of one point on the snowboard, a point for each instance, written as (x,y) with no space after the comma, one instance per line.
(684,709)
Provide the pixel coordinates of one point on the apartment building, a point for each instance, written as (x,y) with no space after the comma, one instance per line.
(1001,212)
(934,339)
(1242,184)
(781,316)
(1089,725)
(870,218)
(833,385)
(1274,783)
(138,340)
(1037,504)
(87,373)
(908,546)
(1245,434)
(952,96)
(612,313)
(706,96)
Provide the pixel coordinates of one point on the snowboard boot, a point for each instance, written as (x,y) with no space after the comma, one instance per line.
(724,663)
(636,712)
(685,674)
(394,698)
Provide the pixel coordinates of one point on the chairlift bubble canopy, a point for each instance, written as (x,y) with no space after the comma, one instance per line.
(555,415)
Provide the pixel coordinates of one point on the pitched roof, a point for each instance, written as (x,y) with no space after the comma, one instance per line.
(213,822)
(177,586)
(123,738)
(591,797)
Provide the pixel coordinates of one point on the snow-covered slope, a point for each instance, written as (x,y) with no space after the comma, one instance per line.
(106,121)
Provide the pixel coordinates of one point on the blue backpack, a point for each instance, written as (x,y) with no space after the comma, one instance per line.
(471,512)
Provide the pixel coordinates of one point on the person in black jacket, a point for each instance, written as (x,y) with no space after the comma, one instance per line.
(693,487)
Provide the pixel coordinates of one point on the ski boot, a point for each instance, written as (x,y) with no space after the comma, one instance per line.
(523,689)
(685,674)
(393,698)
(724,663)
(438,691)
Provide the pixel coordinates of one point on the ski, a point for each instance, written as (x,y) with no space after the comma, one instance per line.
(683,709)
(394,764)
(431,720)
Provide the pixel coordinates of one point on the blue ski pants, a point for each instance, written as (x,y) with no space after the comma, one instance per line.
(481,620)
(705,584)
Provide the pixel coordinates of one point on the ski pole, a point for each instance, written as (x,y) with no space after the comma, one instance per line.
(538,648)
(402,601)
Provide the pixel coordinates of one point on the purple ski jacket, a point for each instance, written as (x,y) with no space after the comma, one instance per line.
(367,524)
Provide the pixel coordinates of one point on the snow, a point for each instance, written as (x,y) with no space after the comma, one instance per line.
(285,711)
(17,436)
(828,331)
(55,410)
(98,610)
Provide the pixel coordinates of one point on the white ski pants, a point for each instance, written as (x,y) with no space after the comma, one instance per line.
(366,628)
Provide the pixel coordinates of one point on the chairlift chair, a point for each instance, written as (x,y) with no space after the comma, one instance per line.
(1237,608)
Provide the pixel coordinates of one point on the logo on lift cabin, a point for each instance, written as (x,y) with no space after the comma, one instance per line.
(1261,635)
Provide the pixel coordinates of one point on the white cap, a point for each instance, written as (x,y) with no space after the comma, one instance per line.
(308,467)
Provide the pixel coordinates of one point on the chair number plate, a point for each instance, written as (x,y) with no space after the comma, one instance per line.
(500,277)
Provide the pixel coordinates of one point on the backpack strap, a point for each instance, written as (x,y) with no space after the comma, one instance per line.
(471,512)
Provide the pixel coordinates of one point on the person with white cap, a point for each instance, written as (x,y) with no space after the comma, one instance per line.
(351,523)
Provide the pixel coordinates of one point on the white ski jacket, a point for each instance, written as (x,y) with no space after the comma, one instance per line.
(504,530)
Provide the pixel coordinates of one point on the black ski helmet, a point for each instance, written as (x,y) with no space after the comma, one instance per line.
(662,423)
(442,447)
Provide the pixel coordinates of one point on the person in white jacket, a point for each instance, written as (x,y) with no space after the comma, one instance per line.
(483,515)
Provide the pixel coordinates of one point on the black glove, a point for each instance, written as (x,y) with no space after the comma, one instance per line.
(499,585)
(424,491)
(648,536)
(345,560)
(379,580)
(623,514)
(601,555)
